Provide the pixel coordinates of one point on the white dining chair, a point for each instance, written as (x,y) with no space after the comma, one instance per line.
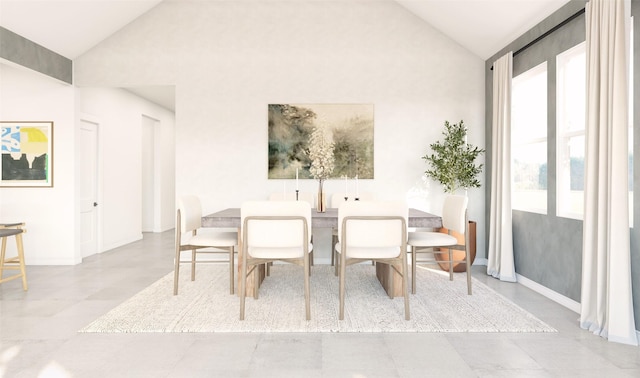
(275,231)
(373,230)
(338,199)
(308,197)
(454,218)
(190,236)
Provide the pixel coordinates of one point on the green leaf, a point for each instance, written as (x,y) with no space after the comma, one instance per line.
(452,162)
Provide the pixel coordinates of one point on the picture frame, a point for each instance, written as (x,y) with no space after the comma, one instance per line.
(349,126)
(26,153)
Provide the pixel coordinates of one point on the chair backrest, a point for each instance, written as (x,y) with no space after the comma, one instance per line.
(338,198)
(373,233)
(454,213)
(302,196)
(190,213)
(271,232)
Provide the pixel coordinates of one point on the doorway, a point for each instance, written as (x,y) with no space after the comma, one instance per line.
(89,187)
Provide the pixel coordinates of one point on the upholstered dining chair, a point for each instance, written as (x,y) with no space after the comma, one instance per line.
(190,236)
(275,231)
(17,262)
(454,218)
(373,230)
(336,200)
(291,196)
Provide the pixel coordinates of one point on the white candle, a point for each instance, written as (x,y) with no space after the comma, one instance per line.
(296,178)
(356,186)
(345,186)
(284,189)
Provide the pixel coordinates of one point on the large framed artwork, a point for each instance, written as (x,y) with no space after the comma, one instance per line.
(27,154)
(348,126)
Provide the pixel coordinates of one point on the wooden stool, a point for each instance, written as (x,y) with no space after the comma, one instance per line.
(13,263)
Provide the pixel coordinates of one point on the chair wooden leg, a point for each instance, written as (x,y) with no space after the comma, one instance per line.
(413,270)
(242,286)
(176,269)
(23,272)
(256,280)
(405,291)
(231,269)
(307,294)
(342,264)
(334,240)
(193,265)
(2,256)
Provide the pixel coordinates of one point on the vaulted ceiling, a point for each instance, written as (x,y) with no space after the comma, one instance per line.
(72,27)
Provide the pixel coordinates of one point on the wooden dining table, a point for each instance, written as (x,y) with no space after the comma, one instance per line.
(388,277)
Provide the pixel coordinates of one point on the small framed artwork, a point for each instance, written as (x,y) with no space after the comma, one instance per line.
(27,154)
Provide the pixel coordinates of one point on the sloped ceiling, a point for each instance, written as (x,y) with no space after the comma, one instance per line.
(72,27)
(483,26)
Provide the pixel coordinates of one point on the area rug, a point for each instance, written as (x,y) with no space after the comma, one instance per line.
(205,305)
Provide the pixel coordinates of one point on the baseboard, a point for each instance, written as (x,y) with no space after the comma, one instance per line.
(480,261)
(554,296)
(120,243)
(540,289)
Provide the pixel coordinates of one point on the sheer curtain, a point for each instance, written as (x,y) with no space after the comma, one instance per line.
(606,303)
(501,263)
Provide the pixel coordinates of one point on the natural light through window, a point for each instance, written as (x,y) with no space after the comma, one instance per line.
(529,140)
(570,124)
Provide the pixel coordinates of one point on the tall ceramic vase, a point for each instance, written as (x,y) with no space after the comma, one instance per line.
(322,199)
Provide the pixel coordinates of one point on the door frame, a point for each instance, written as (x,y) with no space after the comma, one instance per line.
(98,184)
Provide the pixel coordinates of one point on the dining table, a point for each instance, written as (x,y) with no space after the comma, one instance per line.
(390,280)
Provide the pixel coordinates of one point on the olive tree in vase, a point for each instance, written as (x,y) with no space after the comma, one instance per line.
(452,163)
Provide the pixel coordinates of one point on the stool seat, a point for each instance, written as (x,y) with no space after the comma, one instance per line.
(16,262)
(4,232)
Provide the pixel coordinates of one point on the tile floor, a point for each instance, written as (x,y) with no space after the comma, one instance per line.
(39,338)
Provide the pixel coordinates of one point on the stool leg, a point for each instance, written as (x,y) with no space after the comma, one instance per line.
(2,253)
(23,271)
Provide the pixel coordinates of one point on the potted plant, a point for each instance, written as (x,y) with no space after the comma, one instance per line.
(453,164)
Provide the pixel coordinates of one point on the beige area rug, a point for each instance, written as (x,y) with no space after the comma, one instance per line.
(205,305)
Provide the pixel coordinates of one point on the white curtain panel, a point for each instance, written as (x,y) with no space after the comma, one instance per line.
(606,303)
(501,263)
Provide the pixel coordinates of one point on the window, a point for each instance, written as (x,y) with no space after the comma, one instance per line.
(570,124)
(529,140)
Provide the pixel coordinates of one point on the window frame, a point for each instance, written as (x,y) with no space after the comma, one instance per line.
(538,69)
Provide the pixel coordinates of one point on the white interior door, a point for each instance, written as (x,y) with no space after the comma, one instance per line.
(88,188)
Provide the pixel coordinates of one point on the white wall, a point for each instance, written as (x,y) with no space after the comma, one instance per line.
(229,60)
(120,113)
(49,213)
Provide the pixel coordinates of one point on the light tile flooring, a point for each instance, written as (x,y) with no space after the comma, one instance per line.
(39,338)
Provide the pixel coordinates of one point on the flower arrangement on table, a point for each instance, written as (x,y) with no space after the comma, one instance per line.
(322,161)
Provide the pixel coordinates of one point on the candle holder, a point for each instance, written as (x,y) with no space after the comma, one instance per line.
(297,191)
(357,198)
(346,198)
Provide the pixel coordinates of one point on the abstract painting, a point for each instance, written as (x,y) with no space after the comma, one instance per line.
(350,127)
(27,152)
